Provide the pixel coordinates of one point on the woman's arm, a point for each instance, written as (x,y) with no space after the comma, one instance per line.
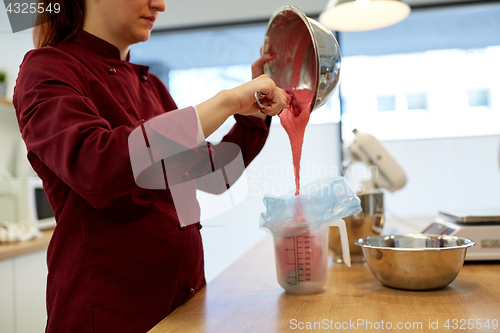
(240,100)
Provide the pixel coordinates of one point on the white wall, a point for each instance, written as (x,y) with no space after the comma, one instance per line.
(446,174)
(13,161)
(14,47)
(450,174)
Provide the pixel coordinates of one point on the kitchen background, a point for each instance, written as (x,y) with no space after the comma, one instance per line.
(427,87)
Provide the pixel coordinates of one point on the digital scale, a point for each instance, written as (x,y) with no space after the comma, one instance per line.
(482,227)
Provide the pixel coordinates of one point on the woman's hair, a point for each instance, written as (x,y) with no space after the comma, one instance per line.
(53,28)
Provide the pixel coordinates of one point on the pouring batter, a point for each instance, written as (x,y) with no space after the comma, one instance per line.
(294,120)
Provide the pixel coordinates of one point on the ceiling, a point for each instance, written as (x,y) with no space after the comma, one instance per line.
(180,14)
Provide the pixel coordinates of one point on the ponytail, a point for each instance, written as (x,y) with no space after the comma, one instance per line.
(53,28)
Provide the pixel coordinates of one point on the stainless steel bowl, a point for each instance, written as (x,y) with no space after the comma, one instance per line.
(302,44)
(415,262)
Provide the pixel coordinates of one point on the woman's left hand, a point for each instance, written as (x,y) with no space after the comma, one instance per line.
(258,70)
(258,65)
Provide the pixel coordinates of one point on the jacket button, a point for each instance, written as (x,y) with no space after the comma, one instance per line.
(144,78)
(190,292)
(112,71)
(182,227)
(199,226)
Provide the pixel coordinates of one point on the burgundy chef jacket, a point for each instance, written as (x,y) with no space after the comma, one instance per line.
(118,260)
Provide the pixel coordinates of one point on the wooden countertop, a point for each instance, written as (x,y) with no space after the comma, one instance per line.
(247,298)
(10,250)
(6,102)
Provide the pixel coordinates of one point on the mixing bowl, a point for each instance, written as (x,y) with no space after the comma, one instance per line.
(415,262)
(307,54)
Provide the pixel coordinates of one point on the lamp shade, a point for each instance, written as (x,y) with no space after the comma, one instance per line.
(362,15)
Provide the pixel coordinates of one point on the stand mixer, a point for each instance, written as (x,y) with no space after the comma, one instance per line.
(386,174)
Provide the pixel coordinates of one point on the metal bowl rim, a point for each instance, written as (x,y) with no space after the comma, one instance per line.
(305,20)
(469,243)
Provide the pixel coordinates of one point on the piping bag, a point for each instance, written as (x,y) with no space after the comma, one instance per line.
(325,201)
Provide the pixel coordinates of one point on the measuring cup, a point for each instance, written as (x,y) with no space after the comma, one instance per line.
(302,257)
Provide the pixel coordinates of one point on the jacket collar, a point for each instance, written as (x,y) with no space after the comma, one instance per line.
(98,45)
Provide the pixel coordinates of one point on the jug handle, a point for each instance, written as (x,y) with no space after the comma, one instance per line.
(343,240)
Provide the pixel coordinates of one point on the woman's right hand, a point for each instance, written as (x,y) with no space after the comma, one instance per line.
(244,97)
(241,100)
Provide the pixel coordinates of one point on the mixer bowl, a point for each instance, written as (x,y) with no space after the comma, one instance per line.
(369,222)
(415,262)
(307,54)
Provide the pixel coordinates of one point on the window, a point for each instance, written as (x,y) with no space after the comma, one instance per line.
(435,74)
(386,103)
(478,98)
(416,101)
(402,102)
(204,83)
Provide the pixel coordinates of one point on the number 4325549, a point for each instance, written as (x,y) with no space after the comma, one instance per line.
(462,324)
(32,8)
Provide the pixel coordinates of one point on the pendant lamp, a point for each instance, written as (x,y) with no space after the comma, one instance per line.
(362,15)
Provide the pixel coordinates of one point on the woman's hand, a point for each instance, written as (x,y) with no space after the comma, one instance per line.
(241,100)
(258,65)
(274,98)
(258,70)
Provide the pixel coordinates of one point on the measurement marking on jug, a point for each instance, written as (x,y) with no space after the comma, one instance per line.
(300,277)
(296,262)
(303,254)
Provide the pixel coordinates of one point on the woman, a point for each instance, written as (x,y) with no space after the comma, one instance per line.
(119,259)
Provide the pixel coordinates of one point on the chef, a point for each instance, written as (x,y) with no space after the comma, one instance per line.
(119,259)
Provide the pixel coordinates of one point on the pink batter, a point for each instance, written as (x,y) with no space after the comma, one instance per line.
(311,254)
(294,119)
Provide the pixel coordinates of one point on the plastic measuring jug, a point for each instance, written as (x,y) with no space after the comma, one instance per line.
(301,256)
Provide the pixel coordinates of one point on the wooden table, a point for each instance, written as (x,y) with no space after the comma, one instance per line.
(11,250)
(5,101)
(247,298)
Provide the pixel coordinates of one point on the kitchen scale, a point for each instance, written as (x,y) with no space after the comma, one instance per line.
(483,227)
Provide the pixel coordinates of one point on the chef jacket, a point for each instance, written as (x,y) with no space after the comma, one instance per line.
(118,261)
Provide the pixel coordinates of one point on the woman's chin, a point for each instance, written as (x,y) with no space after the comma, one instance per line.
(143,36)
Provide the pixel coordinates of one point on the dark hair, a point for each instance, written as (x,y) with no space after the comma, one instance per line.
(53,28)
